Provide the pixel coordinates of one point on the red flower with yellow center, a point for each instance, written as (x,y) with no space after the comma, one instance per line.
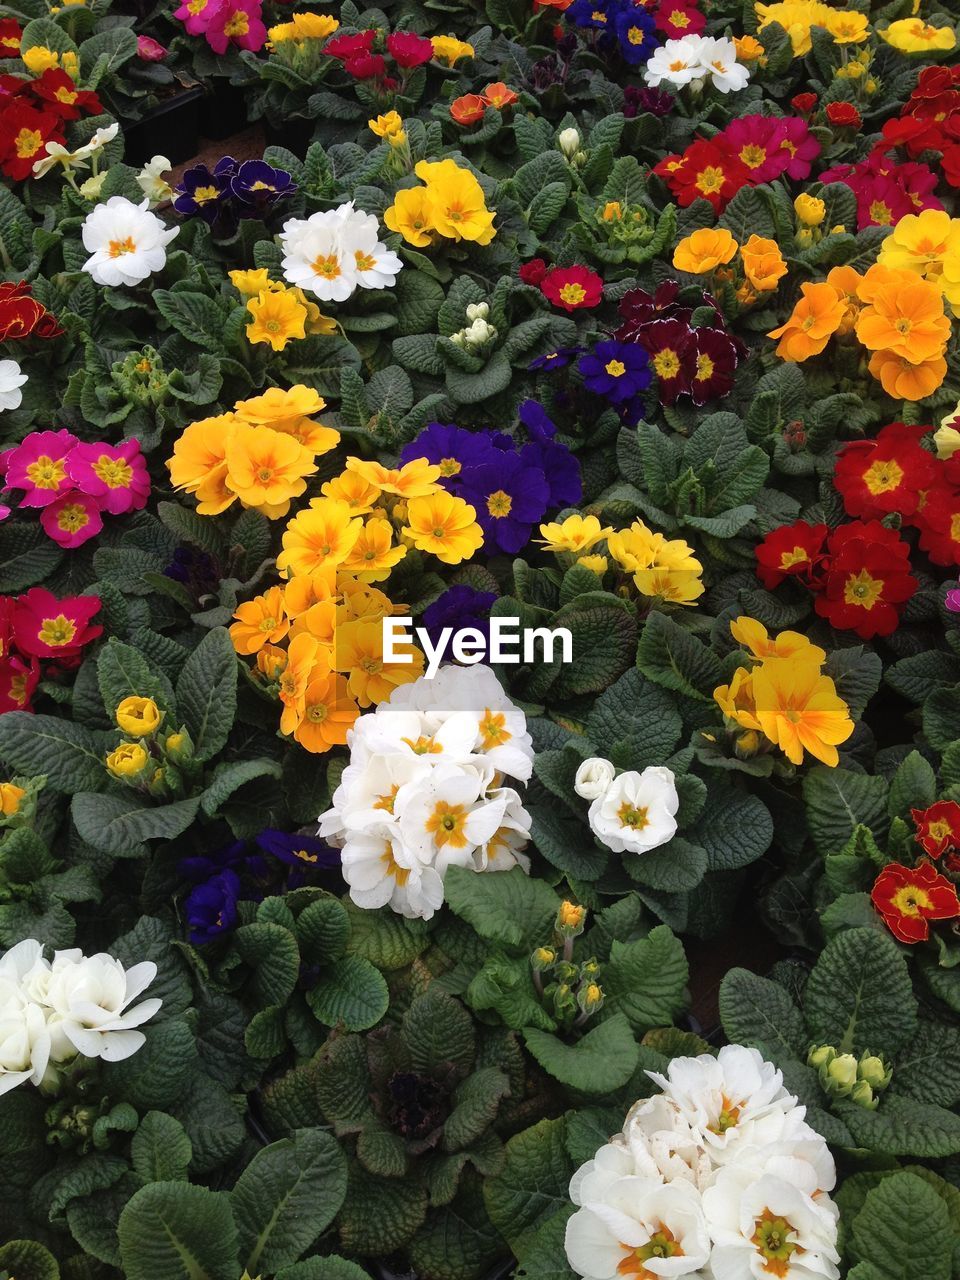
(938,519)
(877,477)
(572,288)
(909,899)
(707,171)
(24,134)
(792,551)
(938,827)
(868,579)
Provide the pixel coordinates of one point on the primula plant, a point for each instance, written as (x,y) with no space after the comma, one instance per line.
(479,661)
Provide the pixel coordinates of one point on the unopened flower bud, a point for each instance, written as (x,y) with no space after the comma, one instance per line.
(747,744)
(571,919)
(589,998)
(810,210)
(478,311)
(590,969)
(594,778)
(543,958)
(874,1071)
(179,747)
(568,140)
(842,1071)
(821,1055)
(862,1095)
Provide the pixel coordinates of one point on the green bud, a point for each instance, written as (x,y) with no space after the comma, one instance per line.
(543,958)
(566,972)
(179,747)
(589,998)
(843,1070)
(862,1095)
(590,968)
(564,1000)
(821,1055)
(874,1071)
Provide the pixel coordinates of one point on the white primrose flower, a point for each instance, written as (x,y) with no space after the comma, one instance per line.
(331,254)
(636,812)
(126,242)
(89,999)
(151,181)
(55,153)
(676,63)
(24,1038)
(732,1101)
(505,847)
(11,380)
(640,1227)
(594,777)
(766,1225)
(381,872)
(444,818)
(660,1143)
(719,59)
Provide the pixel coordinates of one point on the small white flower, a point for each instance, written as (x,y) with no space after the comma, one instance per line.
(24,1038)
(719,59)
(151,181)
(126,242)
(639,1227)
(445,817)
(11,380)
(56,153)
(636,812)
(594,778)
(568,140)
(676,63)
(381,872)
(331,254)
(91,189)
(89,998)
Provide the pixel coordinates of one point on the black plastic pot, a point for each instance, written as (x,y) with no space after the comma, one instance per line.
(169,129)
(295,134)
(223,111)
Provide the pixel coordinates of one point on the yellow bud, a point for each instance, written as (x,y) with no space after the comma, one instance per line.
(570,918)
(10,797)
(129,760)
(810,210)
(138,716)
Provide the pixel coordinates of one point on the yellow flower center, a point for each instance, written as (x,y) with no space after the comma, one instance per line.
(729,1116)
(881,477)
(797,556)
(753,155)
(365,262)
(705,368)
(57,631)
(862,590)
(387,802)
(710,180)
(318,712)
(662,1244)
(46,473)
(117,248)
(328,267)
(28,143)
(666,363)
(73,518)
(398,873)
(499,504)
(203,195)
(573,294)
(635,35)
(450,467)
(633,816)
(881,212)
(493,729)
(238,24)
(446,824)
(66,96)
(940,830)
(114,472)
(423,746)
(772,1242)
(615,368)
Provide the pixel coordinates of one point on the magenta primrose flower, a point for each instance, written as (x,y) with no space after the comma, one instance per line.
(116,475)
(72,520)
(953,600)
(236,22)
(39,466)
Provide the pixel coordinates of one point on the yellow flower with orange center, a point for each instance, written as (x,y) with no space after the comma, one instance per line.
(913,35)
(359,653)
(702,251)
(753,635)
(301,668)
(260,621)
(374,554)
(415,479)
(763,263)
(276,318)
(815,318)
(799,710)
(267,468)
(411,216)
(353,489)
(575,534)
(323,534)
(199,464)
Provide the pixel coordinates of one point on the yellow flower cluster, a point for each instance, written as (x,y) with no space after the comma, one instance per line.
(156,763)
(318,643)
(370,514)
(928,244)
(278,311)
(707,251)
(389,126)
(783,699)
(304,26)
(661,568)
(40,59)
(259,454)
(450,205)
(799,17)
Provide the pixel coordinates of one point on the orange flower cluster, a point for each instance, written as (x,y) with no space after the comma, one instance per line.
(898,316)
(318,648)
(470,108)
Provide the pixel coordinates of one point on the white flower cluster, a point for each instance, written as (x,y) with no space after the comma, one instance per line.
(52,1010)
(630,812)
(478,333)
(331,254)
(423,790)
(718,1176)
(695,59)
(126,242)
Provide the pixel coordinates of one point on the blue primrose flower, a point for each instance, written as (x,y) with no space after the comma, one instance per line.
(634,30)
(558,359)
(259,186)
(297,850)
(537,421)
(456,451)
(212,907)
(205,193)
(459,607)
(594,15)
(618,371)
(510,497)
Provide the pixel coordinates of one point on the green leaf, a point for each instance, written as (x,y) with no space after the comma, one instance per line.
(323,1269)
(386,939)
(645,980)
(601,1061)
(28,1260)
(123,672)
(859,995)
(160,1150)
(756,1011)
(380,1215)
(507,907)
(533,1186)
(904,1230)
(474,1104)
(229,776)
(353,994)
(438,1031)
(902,1127)
(323,928)
(928,1068)
(914,786)
(207,692)
(670,656)
(604,633)
(838,801)
(272,953)
(635,722)
(119,824)
(175,1231)
(199,318)
(735,829)
(27,555)
(288,1194)
(69,756)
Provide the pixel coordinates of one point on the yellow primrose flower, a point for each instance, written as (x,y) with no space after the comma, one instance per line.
(702,251)
(929,244)
(457,205)
(389,126)
(40,59)
(751,634)
(796,17)
(848,27)
(612,211)
(445,526)
(138,717)
(748,48)
(576,533)
(415,479)
(359,655)
(373,554)
(251,283)
(913,35)
(324,534)
(353,489)
(314,26)
(450,50)
(947,435)
(10,797)
(596,564)
(282,33)
(810,210)
(276,318)
(411,216)
(128,761)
